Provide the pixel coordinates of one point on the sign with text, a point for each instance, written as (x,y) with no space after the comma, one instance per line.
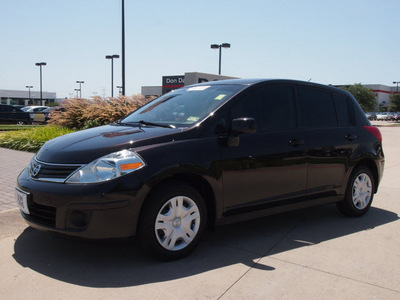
(170,83)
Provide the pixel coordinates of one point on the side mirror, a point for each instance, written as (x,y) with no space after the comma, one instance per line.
(241,126)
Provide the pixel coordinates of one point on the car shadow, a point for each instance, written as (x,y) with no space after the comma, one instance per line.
(122,263)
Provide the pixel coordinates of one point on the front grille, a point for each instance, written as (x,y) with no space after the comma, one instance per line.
(42,214)
(51,172)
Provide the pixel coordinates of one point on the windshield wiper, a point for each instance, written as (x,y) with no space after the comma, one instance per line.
(156,124)
(142,122)
(119,122)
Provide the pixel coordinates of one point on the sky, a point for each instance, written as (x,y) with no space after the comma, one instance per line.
(328,42)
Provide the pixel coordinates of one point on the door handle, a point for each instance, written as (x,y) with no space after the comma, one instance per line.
(296,142)
(350,137)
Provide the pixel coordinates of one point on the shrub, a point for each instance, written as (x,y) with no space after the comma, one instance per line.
(31,139)
(86,113)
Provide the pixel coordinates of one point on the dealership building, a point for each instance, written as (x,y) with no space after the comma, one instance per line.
(28,97)
(382,93)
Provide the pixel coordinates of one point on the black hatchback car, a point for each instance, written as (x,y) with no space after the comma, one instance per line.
(13,115)
(204,155)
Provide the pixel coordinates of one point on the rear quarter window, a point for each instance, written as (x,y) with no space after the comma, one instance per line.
(342,109)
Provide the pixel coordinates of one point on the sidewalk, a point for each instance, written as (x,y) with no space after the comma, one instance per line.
(12,162)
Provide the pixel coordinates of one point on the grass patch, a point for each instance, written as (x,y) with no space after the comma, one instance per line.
(16,127)
(31,139)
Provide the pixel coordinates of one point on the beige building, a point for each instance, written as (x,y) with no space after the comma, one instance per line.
(26,97)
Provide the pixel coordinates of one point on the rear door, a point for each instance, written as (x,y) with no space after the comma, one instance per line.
(331,139)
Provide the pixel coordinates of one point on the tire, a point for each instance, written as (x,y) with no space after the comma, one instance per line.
(172,221)
(359,193)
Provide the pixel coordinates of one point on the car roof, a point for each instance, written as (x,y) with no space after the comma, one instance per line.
(254,81)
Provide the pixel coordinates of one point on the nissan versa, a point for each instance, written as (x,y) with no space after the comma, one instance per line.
(204,155)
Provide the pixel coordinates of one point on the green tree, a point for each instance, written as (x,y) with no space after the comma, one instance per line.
(395,102)
(365,96)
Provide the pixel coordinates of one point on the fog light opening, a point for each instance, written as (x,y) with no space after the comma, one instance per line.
(78,218)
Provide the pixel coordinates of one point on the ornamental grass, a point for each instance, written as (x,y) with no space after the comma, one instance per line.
(85,113)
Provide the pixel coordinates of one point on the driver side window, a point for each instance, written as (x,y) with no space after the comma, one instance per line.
(271,106)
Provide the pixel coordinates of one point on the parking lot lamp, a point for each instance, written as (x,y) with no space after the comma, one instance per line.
(216,46)
(40,64)
(80,88)
(29,91)
(112,71)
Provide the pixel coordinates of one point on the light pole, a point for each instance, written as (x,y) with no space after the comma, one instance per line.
(112,71)
(123,47)
(397,82)
(40,64)
(29,91)
(216,46)
(120,89)
(80,88)
(76,90)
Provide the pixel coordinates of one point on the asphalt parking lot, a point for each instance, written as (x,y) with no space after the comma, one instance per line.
(309,254)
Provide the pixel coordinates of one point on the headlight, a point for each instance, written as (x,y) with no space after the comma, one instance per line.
(108,167)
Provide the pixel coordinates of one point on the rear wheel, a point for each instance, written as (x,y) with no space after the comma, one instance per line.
(172,221)
(359,193)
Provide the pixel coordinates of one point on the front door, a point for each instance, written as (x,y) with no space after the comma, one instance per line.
(268,168)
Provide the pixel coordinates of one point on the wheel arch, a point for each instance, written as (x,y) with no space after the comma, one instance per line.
(195,181)
(373,168)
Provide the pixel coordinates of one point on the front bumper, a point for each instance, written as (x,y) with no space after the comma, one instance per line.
(104,210)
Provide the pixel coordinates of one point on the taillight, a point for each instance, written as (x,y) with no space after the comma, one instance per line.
(375,131)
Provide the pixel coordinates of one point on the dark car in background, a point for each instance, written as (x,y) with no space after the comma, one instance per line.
(396,116)
(203,155)
(13,115)
(50,110)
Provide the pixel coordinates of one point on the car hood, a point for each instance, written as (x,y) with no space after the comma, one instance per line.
(85,146)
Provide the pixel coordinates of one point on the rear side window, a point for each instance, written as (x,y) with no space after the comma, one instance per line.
(271,106)
(317,108)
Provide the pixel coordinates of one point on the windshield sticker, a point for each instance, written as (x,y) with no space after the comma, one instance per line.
(198,88)
(220,97)
(193,119)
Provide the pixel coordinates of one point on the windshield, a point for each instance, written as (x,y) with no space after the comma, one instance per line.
(184,107)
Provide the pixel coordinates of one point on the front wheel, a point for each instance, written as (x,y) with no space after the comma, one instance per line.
(359,193)
(172,221)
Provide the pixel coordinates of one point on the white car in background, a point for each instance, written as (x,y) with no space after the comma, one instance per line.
(33,109)
(383,116)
